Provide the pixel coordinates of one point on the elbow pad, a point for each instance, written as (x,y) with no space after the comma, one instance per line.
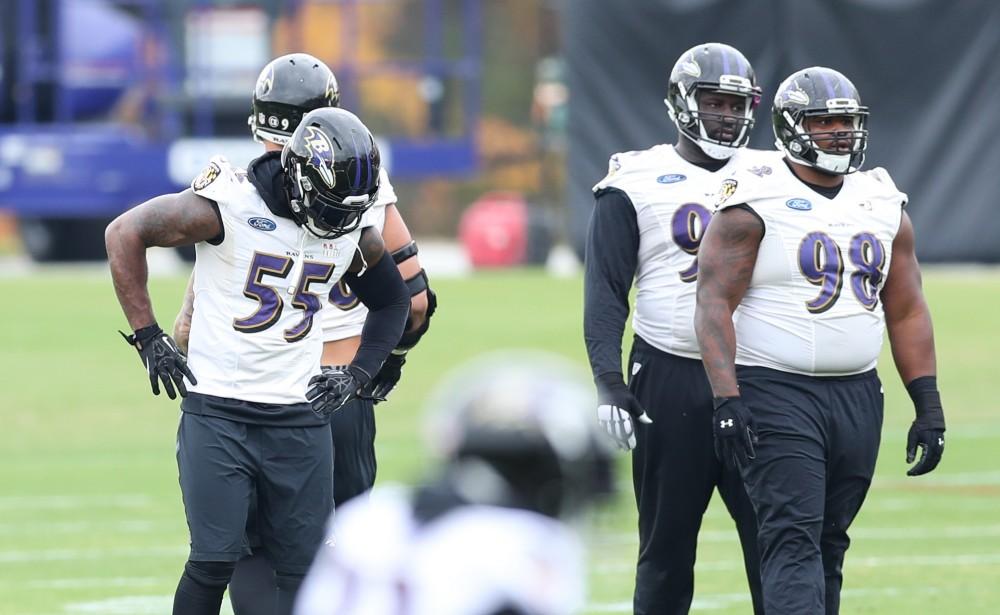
(417,284)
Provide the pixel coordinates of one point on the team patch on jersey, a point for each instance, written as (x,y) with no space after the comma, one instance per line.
(799,204)
(262,224)
(671,178)
(207,176)
(726,190)
(761,171)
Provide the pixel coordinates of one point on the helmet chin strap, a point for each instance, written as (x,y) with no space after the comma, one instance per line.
(834,163)
(713,150)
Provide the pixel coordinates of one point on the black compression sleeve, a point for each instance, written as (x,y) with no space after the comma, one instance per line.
(383,291)
(610,264)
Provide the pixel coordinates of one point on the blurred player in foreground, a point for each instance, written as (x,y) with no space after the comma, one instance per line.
(488,534)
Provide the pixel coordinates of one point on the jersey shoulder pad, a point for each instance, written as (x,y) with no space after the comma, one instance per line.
(216,179)
(753,177)
(375,216)
(883,185)
(386,193)
(624,168)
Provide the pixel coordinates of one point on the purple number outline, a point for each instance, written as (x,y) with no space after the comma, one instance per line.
(869,274)
(343,297)
(269,310)
(309,303)
(686,235)
(830,277)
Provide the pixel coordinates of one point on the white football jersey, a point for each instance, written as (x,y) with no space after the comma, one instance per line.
(674,201)
(256,295)
(344,315)
(813,304)
(471,560)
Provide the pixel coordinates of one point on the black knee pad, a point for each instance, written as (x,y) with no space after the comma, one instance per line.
(210,574)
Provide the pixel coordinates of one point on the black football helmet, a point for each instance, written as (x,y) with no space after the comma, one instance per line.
(331,165)
(711,67)
(288,88)
(812,92)
(516,429)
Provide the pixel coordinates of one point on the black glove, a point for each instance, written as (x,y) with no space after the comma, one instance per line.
(162,359)
(333,387)
(616,408)
(386,379)
(732,424)
(927,431)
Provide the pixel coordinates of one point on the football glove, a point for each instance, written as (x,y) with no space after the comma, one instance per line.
(927,431)
(333,387)
(162,359)
(616,409)
(732,426)
(386,379)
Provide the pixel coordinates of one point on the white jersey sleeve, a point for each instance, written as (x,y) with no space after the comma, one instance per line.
(344,315)
(813,304)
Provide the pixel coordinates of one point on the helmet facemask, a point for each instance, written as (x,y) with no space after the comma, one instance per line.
(683,108)
(807,147)
(326,216)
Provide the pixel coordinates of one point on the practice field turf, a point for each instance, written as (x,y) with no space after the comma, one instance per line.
(90,512)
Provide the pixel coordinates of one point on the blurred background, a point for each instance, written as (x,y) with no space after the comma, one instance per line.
(505,111)
(495,118)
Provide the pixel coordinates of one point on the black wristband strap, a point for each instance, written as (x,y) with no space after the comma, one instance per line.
(610,380)
(924,393)
(718,401)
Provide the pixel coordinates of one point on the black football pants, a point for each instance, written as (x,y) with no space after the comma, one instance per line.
(818,440)
(252,587)
(675,471)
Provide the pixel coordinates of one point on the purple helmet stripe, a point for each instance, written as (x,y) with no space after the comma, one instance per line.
(830,90)
(725,61)
(357,167)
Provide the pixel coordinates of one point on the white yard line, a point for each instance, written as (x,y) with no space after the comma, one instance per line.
(69,502)
(68,555)
(852,562)
(710,602)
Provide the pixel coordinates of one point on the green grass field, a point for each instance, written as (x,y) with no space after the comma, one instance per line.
(90,512)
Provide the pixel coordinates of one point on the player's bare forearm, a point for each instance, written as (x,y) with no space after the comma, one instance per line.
(726,261)
(717,341)
(907,316)
(168,220)
(182,324)
(396,236)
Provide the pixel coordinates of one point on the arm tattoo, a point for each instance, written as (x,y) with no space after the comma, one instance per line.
(726,262)
(168,220)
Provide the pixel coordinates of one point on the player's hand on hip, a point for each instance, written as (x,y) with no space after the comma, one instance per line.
(386,379)
(163,360)
(733,428)
(333,387)
(927,434)
(617,410)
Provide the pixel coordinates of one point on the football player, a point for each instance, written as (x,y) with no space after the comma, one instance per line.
(271,242)
(650,214)
(286,89)
(488,534)
(819,258)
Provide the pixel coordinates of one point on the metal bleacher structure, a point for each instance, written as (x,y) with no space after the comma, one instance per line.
(106,103)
